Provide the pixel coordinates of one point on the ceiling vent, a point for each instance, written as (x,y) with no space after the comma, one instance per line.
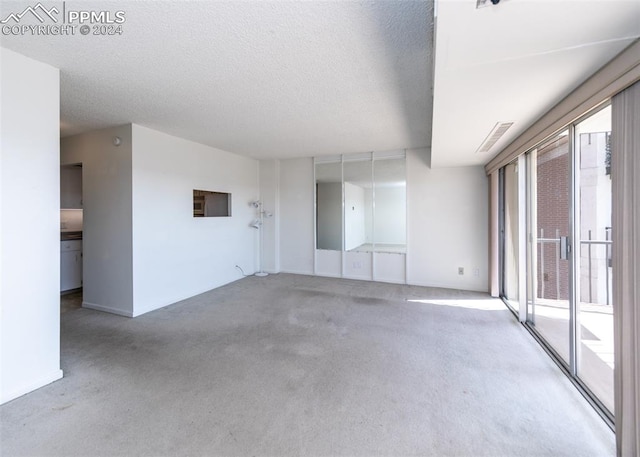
(494,135)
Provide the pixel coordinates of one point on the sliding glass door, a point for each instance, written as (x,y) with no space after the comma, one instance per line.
(550,182)
(511,237)
(594,308)
(558,198)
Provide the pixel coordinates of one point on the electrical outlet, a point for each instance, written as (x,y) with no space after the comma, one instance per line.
(460,271)
(476,272)
(357,265)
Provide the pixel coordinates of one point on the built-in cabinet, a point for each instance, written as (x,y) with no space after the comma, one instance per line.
(70,265)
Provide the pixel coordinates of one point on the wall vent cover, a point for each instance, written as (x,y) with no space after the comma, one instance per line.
(494,135)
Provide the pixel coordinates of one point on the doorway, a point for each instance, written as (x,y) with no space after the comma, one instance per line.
(71,237)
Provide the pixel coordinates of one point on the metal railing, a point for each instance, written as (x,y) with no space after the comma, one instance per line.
(589,243)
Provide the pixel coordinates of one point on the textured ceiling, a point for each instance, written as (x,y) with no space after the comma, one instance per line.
(512,62)
(309,78)
(262,79)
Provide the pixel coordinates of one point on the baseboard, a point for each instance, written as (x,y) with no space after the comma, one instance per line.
(358,278)
(177,299)
(106,309)
(327,275)
(390,281)
(7,397)
(436,285)
(292,272)
(450,286)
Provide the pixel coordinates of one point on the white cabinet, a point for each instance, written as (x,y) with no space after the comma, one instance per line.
(70,265)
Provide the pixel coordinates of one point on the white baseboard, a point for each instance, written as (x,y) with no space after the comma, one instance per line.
(292,272)
(450,286)
(30,387)
(328,275)
(106,309)
(390,281)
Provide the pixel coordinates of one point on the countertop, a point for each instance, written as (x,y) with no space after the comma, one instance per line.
(68,236)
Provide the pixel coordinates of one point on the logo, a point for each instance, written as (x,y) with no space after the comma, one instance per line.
(58,20)
(34,11)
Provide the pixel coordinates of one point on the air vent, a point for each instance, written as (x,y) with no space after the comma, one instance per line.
(494,135)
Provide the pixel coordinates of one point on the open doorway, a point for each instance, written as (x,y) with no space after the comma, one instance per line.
(71,236)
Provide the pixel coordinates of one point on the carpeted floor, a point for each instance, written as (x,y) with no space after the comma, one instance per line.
(297,365)
(71,301)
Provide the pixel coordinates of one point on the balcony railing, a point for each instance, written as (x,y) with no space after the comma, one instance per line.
(589,243)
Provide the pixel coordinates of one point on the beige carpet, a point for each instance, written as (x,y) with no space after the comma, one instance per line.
(297,365)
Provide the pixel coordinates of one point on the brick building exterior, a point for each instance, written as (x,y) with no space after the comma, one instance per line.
(553,193)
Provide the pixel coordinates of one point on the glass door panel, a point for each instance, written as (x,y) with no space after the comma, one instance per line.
(329,206)
(358,206)
(511,228)
(594,307)
(390,206)
(549,306)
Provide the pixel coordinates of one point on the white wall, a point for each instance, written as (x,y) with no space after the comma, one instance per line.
(355,230)
(447,227)
(329,218)
(447,224)
(107,217)
(296,216)
(175,255)
(70,187)
(143,249)
(29,227)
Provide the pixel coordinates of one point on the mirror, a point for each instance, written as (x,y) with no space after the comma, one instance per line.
(390,193)
(358,206)
(361,204)
(329,206)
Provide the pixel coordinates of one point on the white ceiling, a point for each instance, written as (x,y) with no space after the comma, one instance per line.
(512,62)
(281,79)
(262,79)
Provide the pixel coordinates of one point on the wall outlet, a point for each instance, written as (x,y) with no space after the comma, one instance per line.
(476,272)
(357,265)
(460,271)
